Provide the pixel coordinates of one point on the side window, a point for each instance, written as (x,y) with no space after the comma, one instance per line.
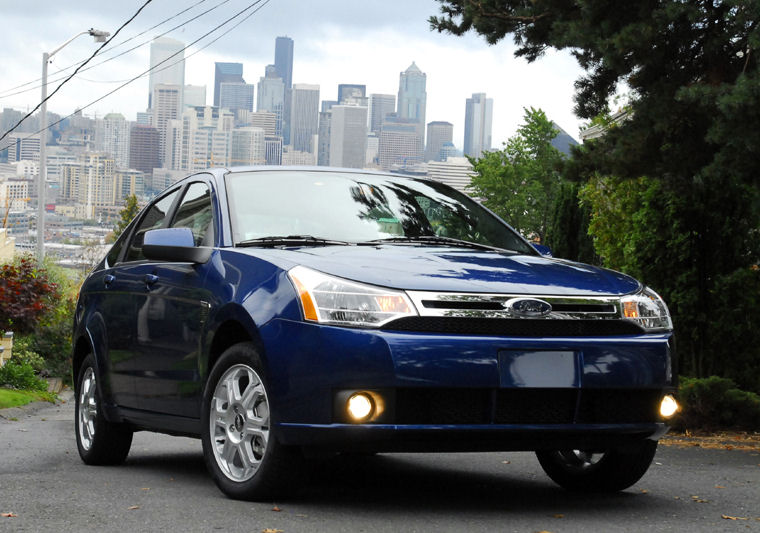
(113,254)
(195,212)
(153,218)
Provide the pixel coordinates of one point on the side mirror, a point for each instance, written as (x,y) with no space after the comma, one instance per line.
(174,244)
(543,250)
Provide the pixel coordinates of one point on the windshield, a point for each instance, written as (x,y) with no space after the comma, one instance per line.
(358,208)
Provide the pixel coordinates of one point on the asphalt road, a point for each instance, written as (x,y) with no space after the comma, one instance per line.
(164,486)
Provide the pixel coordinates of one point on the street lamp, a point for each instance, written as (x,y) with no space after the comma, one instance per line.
(100,37)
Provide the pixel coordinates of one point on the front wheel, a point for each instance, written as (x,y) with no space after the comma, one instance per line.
(99,441)
(611,471)
(239,448)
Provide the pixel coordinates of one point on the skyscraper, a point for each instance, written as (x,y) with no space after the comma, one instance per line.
(412,97)
(226,73)
(236,96)
(194,95)
(304,122)
(167,105)
(167,63)
(438,134)
(283,60)
(477,124)
(272,96)
(353,94)
(348,136)
(380,105)
(399,145)
(112,137)
(143,149)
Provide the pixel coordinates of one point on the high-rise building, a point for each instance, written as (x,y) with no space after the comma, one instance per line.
(167,105)
(262,119)
(248,147)
(323,142)
(127,182)
(304,121)
(226,73)
(90,181)
(477,125)
(283,64)
(22,147)
(195,95)
(348,136)
(272,96)
(112,137)
(352,94)
(456,172)
(143,149)
(380,106)
(204,137)
(236,96)
(167,63)
(283,60)
(412,97)
(400,145)
(274,150)
(438,134)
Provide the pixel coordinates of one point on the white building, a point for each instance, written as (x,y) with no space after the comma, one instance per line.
(248,147)
(456,172)
(167,63)
(477,125)
(348,136)
(112,137)
(304,116)
(167,105)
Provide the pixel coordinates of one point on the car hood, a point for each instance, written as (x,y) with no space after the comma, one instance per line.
(446,269)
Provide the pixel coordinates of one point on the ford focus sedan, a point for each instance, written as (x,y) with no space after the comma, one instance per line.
(276,312)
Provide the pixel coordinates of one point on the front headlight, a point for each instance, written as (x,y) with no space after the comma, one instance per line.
(647,309)
(330,300)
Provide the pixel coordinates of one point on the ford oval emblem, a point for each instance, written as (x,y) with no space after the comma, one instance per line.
(528,307)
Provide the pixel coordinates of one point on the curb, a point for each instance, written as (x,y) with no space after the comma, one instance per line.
(64,396)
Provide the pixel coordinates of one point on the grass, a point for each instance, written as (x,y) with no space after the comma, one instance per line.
(17,398)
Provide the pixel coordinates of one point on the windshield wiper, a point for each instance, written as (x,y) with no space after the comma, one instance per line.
(437,239)
(290,240)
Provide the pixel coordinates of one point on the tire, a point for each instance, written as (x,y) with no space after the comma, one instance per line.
(240,449)
(99,441)
(611,471)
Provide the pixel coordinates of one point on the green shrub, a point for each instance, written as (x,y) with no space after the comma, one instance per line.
(716,403)
(24,354)
(21,376)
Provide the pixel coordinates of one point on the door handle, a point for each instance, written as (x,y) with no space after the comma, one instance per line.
(150,279)
(108,279)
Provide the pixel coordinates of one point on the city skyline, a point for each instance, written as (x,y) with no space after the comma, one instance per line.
(355,48)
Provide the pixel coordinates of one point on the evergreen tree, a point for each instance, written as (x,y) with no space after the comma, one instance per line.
(128,212)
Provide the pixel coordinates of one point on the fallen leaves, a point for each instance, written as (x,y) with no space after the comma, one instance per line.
(270,530)
(276,509)
(8,515)
(133,508)
(717,441)
(697,499)
(726,517)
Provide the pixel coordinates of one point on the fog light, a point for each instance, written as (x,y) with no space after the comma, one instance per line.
(360,406)
(668,406)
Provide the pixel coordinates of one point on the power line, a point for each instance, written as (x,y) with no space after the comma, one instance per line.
(30,113)
(8,95)
(154,68)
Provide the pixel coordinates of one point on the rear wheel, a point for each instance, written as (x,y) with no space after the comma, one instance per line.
(611,471)
(99,441)
(241,452)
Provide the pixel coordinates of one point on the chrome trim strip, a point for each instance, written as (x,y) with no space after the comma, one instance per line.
(420,298)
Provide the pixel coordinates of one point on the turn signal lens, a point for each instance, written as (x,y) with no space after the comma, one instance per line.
(668,406)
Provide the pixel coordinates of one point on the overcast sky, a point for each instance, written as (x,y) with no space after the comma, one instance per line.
(368,42)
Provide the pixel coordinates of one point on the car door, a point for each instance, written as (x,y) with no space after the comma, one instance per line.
(117,309)
(171,310)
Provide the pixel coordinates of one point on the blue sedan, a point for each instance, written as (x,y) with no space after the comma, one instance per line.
(276,311)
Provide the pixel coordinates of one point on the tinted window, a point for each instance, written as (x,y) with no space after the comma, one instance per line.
(195,212)
(154,218)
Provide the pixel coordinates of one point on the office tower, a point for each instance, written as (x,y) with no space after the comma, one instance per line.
(380,105)
(272,96)
(273,150)
(144,118)
(348,136)
(400,144)
(323,139)
(448,151)
(112,137)
(226,73)
(204,137)
(352,94)
(262,119)
(456,172)
(143,149)
(283,60)
(167,105)
(167,63)
(304,121)
(373,147)
(236,96)
(283,64)
(327,105)
(438,134)
(248,147)
(22,147)
(477,124)
(195,95)
(412,98)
